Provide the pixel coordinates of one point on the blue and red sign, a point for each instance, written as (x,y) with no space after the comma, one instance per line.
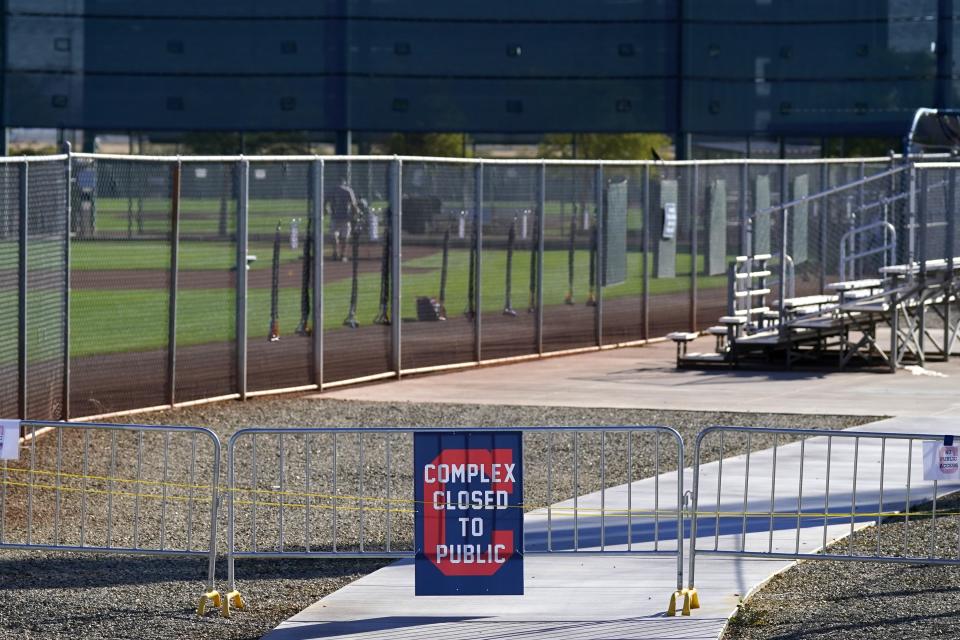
(469,515)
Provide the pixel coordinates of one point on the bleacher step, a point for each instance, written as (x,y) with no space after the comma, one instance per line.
(704,357)
(751,293)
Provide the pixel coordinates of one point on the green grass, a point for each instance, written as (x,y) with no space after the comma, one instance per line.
(107,321)
(202,215)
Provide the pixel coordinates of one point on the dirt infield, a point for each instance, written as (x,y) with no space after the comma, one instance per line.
(291,274)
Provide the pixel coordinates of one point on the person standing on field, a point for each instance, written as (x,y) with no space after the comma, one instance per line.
(343,209)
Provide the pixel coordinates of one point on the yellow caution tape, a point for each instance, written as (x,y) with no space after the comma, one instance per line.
(564,511)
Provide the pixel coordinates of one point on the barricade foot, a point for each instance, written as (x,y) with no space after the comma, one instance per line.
(232,599)
(213,597)
(672,607)
(690,601)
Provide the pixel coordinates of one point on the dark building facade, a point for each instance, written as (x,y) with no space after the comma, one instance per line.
(773,68)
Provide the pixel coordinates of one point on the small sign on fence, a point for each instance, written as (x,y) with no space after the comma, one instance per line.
(469,513)
(669,226)
(941,460)
(9,439)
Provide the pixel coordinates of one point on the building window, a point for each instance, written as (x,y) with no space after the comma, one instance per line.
(860,108)
(401,48)
(174,103)
(785,108)
(626,50)
(514,106)
(288,47)
(61,44)
(624,105)
(401,105)
(514,50)
(714,107)
(288,103)
(58,101)
(175,46)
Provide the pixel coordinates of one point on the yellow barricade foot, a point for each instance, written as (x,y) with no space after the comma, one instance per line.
(694,598)
(672,607)
(232,599)
(686,602)
(213,597)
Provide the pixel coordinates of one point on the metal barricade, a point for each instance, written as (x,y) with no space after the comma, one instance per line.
(114,489)
(807,495)
(348,493)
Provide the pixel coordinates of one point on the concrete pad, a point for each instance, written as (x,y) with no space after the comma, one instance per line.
(645,377)
(568,597)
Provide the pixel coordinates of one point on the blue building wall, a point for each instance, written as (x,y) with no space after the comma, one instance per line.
(777,67)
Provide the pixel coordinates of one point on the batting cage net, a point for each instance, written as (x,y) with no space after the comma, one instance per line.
(510,218)
(719,235)
(356,339)
(206,361)
(438,266)
(9,287)
(187,279)
(279,320)
(46,287)
(570,224)
(120,284)
(626,276)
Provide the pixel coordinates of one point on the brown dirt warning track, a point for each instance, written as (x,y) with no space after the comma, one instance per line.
(119,381)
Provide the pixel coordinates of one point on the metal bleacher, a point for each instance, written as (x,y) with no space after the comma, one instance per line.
(885,304)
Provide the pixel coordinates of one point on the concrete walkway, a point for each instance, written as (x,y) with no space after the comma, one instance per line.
(625,597)
(645,377)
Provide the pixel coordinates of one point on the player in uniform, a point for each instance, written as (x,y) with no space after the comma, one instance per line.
(343,209)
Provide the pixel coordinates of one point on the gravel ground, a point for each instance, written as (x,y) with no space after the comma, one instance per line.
(879,601)
(119,597)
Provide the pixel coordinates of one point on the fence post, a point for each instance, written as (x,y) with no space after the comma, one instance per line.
(824,212)
(647,217)
(176,173)
(601,254)
(541,227)
(396,207)
(478,260)
(22,281)
(693,246)
(950,251)
(921,230)
(859,215)
(65,400)
(784,243)
(745,248)
(316,215)
(911,218)
(243,166)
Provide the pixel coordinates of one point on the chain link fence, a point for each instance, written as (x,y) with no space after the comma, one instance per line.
(164,280)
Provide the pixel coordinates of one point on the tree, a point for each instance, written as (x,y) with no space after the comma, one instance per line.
(439,145)
(212,143)
(215,143)
(606,146)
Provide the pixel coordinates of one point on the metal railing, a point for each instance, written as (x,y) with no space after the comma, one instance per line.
(193,240)
(807,496)
(347,493)
(852,247)
(114,489)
